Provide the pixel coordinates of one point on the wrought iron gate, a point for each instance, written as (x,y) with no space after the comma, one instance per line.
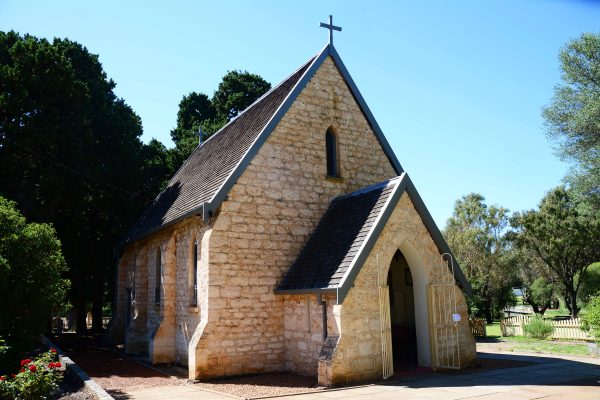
(386,326)
(444,317)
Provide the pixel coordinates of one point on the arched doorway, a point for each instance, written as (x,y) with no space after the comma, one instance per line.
(402,313)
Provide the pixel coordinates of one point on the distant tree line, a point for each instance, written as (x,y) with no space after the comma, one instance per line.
(71,154)
(554,251)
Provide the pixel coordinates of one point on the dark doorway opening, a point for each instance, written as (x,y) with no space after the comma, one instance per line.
(402,314)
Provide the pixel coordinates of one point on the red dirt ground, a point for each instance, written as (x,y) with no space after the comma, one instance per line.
(110,369)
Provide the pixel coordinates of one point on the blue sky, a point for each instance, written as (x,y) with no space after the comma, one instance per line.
(456,86)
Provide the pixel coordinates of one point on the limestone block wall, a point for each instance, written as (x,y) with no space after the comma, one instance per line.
(164,330)
(268,216)
(163,314)
(116,332)
(188,312)
(357,356)
(197,351)
(303,331)
(137,335)
(132,277)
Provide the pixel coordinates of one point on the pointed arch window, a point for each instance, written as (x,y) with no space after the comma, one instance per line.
(331,148)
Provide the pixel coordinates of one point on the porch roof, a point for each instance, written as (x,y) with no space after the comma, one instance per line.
(345,235)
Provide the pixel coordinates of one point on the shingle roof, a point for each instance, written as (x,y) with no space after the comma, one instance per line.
(335,252)
(337,239)
(209,166)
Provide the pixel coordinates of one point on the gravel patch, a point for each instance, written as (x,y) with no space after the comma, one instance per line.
(82,394)
(264,385)
(72,388)
(115,372)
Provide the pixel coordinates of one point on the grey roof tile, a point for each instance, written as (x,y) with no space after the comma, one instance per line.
(335,242)
(209,166)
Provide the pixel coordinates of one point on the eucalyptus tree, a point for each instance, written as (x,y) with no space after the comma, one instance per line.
(476,234)
(565,237)
(573,116)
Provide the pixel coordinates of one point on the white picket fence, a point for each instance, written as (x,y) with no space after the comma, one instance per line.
(563,329)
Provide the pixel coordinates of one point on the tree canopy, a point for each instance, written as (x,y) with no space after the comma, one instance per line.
(573,116)
(236,92)
(476,235)
(71,155)
(564,237)
(31,267)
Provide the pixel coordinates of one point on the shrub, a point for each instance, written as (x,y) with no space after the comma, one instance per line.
(590,283)
(4,356)
(538,328)
(591,319)
(31,271)
(36,379)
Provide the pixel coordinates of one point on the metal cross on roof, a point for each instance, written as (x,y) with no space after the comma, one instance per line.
(331,28)
(199,133)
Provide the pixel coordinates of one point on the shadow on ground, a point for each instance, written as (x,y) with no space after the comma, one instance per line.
(536,370)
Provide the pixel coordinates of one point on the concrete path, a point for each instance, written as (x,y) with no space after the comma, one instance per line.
(552,377)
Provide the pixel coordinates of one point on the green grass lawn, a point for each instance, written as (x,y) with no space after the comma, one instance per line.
(493,330)
(561,312)
(524,343)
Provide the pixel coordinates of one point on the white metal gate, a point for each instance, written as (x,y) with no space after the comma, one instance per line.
(386,326)
(444,317)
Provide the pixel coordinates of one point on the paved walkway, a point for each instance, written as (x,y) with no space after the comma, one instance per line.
(552,377)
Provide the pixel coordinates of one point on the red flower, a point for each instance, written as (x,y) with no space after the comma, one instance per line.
(51,365)
(2,378)
(57,364)
(12,375)
(53,350)
(32,368)
(25,362)
(22,370)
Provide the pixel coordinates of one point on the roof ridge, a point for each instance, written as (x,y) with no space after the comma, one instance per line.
(367,189)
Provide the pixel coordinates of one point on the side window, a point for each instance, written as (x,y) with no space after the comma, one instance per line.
(158,277)
(194,274)
(331,148)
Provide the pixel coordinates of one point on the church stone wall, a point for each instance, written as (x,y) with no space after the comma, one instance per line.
(357,356)
(118,324)
(268,216)
(303,331)
(136,339)
(164,330)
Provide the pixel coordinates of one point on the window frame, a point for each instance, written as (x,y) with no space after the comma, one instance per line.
(193,282)
(332,154)
(158,277)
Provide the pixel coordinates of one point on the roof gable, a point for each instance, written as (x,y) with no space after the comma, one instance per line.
(204,180)
(334,254)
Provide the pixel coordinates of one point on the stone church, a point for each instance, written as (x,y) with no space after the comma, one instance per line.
(293,240)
